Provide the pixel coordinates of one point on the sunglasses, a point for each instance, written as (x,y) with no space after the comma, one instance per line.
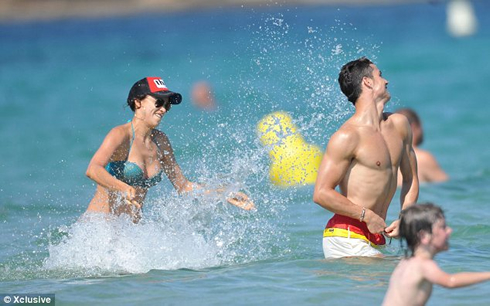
(165,103)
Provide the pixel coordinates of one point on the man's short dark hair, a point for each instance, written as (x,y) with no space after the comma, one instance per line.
(351,75)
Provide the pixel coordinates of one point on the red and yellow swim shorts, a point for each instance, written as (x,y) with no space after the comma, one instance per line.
(342,226)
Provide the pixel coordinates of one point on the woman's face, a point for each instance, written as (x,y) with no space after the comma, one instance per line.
(153,110)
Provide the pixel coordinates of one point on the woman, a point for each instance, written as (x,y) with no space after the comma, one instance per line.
(134,156)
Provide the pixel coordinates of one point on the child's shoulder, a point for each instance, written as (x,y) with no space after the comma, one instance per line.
(424,266)
(415,263)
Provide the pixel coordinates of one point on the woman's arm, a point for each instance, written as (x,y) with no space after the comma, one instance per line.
(170,165)
(96,169)
(181,183)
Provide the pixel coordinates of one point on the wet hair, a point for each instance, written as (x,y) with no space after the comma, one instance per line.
(132,103)
(412,118)
(351,75)
(417,218)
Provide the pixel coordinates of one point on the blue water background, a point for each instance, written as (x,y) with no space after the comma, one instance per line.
(63,86)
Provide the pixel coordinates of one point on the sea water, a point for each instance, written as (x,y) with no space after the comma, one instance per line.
(63,86)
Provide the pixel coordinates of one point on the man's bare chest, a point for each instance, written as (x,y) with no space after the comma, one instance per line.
(379,150)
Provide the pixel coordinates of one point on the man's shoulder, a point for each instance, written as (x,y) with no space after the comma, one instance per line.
(397,119)
(399,122)
(346,138)
(347,131)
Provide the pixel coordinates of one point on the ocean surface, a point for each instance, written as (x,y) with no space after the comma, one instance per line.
(63,86)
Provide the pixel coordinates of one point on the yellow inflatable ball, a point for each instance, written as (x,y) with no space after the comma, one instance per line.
(293,161)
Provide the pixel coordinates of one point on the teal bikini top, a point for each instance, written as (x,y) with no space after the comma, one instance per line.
(131,173)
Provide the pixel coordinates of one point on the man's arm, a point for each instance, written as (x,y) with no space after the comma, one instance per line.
(408,169)
(336,162)
(410,182)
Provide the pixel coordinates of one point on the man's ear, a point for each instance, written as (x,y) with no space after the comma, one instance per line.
(368,82)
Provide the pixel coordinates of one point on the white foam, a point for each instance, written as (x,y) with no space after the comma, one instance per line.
(194,232)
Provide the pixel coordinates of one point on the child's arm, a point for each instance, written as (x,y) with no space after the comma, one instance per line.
(435,275)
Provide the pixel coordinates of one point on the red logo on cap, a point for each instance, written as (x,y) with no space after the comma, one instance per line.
(156,84)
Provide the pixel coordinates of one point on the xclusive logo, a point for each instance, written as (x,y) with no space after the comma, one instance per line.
(45,299)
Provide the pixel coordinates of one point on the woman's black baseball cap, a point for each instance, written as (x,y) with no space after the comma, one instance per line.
(155,87)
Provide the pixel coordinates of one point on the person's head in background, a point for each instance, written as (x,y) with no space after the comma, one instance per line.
(202,96)
(414,120)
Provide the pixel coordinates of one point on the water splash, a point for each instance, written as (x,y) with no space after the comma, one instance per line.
(194,231)
(292,69)
(296,69)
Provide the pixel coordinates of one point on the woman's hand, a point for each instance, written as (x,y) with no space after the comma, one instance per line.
(240,200)
(133,207)
(129,194)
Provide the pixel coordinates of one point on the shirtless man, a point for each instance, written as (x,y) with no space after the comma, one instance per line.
(428,169)
(362,158)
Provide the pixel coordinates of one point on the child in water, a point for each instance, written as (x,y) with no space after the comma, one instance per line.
(424,228)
